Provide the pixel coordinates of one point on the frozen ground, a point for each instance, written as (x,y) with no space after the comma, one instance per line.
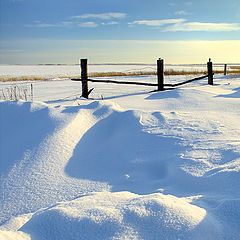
(135,165)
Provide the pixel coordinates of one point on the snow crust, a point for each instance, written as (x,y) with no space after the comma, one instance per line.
(140,165)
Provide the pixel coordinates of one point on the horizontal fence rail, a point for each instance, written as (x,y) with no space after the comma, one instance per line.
(117,82)
(140,83)
(188,81)
(160,78)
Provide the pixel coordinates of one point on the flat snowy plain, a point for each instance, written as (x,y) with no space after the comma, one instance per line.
(127,164)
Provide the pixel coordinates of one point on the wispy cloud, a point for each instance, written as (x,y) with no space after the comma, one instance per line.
(82,21)
(206,27)
(41,25)
(172,4)
(38,24)
(104,16)
(45,25)
(110,23)
(174,25)
(181,13)
(156,23)
(88,24)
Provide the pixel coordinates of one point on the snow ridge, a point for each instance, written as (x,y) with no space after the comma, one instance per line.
(143,166)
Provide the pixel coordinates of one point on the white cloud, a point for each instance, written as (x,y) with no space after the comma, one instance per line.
(198,26)
(174,25)
(43,25)
(88,24)
(181,12)
(110,23)
(104,16)
(38,24)
(156,23)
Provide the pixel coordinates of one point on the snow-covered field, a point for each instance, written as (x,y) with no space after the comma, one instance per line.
(51,71)
(126,164)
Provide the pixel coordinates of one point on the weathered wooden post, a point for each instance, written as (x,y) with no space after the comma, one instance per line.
(31,91)
(84,78)
(160,74)
(225,69)
(210,72)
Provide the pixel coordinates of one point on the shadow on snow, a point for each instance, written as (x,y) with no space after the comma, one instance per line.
(117,150)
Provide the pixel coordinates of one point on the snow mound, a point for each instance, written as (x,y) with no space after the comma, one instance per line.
(23,126)
(32,176)
(170,159)
(122,215)
(117,150)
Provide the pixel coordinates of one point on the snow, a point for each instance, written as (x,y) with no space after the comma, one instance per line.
(122,215)
(133,165)
(51,71)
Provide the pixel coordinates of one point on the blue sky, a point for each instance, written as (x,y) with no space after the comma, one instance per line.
(62,31)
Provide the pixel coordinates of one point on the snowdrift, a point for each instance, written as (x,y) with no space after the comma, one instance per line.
(145,166)
(122,215)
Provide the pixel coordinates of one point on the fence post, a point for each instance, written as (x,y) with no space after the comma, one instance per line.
(160,74)
(84,77)
(225,69)
(31,91)
(210,72)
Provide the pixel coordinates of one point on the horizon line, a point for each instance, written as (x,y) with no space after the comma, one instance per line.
(112,63)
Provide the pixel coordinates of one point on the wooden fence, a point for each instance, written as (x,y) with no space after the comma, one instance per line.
(160,78)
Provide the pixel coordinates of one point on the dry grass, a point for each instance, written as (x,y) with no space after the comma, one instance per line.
(119,74)
(141,73)
(32,78)
(15,92)
(235,67)
(168,72)
(23,78)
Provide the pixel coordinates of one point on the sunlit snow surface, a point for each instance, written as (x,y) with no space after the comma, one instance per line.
(126,164)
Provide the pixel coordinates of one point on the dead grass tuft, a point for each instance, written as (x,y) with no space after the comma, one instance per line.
(15,92)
